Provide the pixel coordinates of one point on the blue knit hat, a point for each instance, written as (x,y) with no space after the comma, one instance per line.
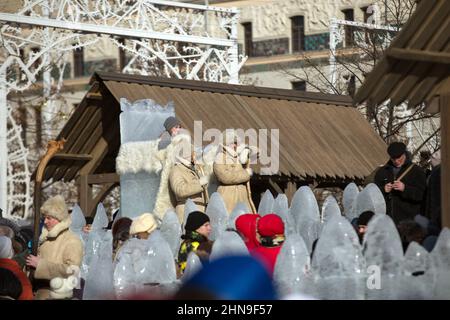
(233,278)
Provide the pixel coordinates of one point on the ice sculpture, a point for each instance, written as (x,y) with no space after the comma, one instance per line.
(156,268)
(370,198)
(384,257)
(161,259)
(330,208)
(281,208)
(99,282)
(171,231)
(351,191)
(416,259)
(124,277)
(440,262)
(101,219)
(266,203)
(145,267)
(239,209)
(229,243)
(218,215)
(305,211)
(292,268)
(78,219)
(95,239)
(143,185)
(193,265)
(140,121)
(78,222)
(417,276)
(337,263)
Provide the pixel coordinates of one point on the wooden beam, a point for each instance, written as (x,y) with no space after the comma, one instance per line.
(103,178)
(84,194)
(275,186)
(73,156)
(94,96)
(419,55)
(105,189)
(290,190)
(99,152)
(445,158)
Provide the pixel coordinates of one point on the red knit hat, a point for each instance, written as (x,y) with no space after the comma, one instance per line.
(270,225)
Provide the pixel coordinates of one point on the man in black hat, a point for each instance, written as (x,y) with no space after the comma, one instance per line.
(402,183)
(172,126)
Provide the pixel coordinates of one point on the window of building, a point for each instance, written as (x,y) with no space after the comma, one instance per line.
(248,38)
(351,88)
(78,62)
(349,16)
(298,33)
(366,15)
(299,85)
(122,56)
(37,62)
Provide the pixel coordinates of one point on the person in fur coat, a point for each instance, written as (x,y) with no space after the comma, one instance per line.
(60,250)
(232,172)
(185,181)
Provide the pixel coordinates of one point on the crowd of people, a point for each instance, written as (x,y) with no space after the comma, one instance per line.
(411,201)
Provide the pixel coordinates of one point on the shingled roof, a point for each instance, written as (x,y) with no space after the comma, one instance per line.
(321,136)
(416,64)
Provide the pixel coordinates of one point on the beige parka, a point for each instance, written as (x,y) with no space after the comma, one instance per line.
(232,177)
(184,184)
(58,250)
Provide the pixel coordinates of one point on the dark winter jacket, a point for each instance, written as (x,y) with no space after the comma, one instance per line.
(433,197)
(402,205)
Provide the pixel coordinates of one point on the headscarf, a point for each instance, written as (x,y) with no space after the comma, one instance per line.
(271,229)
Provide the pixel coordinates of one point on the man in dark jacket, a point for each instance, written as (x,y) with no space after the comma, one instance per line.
(402,184)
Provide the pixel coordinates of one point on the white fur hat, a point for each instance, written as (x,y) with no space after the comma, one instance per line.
(182,145)
(6,250)
(144,223)
(56,208)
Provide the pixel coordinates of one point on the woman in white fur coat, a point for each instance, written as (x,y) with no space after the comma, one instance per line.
(184,179)
(59,248)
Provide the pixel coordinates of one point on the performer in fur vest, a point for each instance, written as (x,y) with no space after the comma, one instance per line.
(59,248)
(184,179)
(233,173)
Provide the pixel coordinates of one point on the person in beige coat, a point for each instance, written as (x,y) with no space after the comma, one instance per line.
(185,181)
(60,250)
(232,174)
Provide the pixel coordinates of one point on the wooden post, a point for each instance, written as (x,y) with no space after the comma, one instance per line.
(290,190)
(85,194)
(445,158)
(52,147)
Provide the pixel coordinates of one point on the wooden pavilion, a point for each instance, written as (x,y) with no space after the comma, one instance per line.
(416,70)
